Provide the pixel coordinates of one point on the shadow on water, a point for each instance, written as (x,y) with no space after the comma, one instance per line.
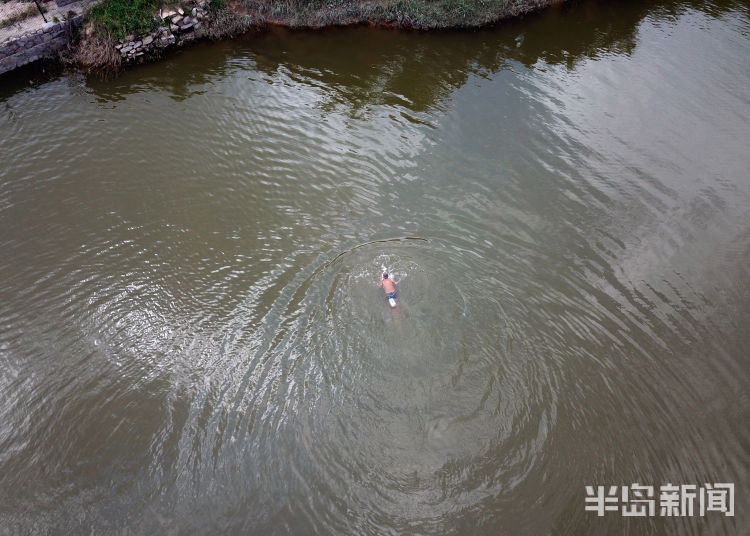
(365,66)
(368,66)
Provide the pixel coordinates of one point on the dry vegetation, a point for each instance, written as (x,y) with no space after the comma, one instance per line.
(113,19)
(228,21)
(97,54)
(415,14)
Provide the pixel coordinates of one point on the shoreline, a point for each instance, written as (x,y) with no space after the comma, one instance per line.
(89,48)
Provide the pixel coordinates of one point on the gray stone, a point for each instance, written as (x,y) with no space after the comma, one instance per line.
(174,27)
(148,40)
(176,19)
(186,27)
(8,64)
(137,44)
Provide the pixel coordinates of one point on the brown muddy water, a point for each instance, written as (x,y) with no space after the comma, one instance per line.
(191,341)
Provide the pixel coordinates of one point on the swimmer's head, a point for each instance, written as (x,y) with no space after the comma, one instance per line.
(385,275)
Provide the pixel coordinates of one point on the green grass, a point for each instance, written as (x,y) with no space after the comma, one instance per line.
(122,17)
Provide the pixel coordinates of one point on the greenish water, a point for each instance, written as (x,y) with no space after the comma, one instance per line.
(191,340)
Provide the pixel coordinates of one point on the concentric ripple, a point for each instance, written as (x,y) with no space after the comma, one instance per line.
(192,339)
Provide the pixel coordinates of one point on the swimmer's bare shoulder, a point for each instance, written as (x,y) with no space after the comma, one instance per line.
(387,284)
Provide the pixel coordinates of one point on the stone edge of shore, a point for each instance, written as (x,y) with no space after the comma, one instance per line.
(44,43)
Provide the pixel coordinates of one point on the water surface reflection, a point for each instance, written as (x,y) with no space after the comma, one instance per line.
(190,334)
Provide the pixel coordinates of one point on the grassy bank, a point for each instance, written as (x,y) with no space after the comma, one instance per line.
(122,17)
(113,20)
(414,14)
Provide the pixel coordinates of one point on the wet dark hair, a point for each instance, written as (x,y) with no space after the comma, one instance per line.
(385,275)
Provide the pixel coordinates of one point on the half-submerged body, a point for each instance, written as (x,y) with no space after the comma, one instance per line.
(390,290)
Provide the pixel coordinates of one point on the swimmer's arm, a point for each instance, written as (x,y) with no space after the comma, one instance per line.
(380,285)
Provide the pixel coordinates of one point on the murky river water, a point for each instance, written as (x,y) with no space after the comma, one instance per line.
(191,340)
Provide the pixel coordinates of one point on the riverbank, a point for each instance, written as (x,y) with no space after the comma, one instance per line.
(116,33)
(405,14)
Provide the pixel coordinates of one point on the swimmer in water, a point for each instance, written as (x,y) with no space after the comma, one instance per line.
(390,290)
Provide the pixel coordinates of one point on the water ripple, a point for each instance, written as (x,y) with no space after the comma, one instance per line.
(189,317)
